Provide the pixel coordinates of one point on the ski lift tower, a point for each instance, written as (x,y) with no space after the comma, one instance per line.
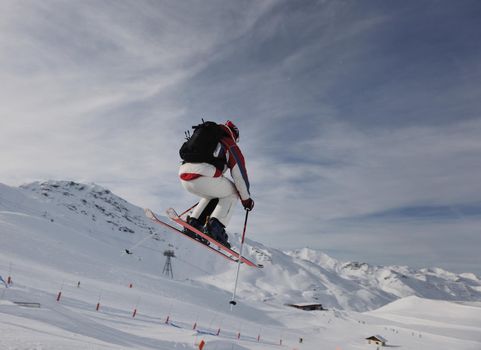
(169,254)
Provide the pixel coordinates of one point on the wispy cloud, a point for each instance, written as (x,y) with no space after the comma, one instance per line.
(380,191)
(91,89)
(356,119)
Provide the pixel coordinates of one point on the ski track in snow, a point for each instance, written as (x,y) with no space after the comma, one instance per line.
(56,234)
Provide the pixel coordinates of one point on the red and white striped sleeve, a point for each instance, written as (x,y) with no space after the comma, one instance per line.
(237,166)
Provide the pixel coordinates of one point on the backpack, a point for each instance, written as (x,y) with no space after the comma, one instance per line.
(200,146)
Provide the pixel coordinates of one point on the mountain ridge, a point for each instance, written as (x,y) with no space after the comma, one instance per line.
(302,275)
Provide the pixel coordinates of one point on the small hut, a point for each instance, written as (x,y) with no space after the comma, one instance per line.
(377,339)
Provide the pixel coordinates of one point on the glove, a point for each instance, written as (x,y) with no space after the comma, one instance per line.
(248,204)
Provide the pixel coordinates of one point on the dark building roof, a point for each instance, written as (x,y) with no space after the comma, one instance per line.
(307,306)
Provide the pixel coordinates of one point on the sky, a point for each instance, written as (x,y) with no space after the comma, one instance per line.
(359,120)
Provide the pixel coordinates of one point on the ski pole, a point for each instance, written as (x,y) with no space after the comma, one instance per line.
(185,212)
(233,302)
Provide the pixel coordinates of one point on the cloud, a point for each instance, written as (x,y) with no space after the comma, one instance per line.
(92,87)
(352,117)
(383,195)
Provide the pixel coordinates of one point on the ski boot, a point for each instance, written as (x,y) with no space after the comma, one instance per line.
(194,223)
(216,230)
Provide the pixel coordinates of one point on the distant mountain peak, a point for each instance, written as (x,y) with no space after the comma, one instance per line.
(62,186)
(92,202)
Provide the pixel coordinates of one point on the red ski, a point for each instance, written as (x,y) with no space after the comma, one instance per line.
(225,252)
(172,214)
(155,219)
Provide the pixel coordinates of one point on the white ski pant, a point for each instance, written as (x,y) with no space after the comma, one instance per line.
(213,187)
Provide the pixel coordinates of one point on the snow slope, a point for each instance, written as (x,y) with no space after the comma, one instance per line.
(443,318)
(56,234)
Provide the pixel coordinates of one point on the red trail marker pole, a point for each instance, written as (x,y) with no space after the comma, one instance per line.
(98,303)
(135,308)
(9,278)
(59,295)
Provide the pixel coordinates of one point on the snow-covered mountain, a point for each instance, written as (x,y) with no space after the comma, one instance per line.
(378,283)
(303,275)
(64,240)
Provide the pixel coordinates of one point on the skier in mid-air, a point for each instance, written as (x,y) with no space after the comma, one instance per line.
(207,154)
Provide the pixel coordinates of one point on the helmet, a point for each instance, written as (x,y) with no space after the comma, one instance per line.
(233,129)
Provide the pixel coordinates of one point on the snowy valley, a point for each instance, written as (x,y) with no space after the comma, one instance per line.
(62,245)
